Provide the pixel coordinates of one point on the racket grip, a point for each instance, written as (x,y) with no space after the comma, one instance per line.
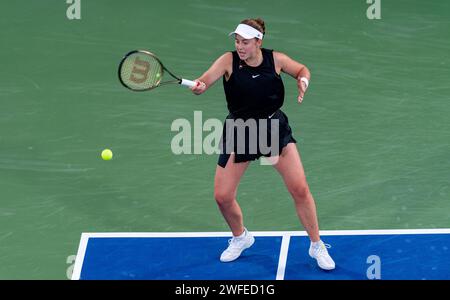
(188,83)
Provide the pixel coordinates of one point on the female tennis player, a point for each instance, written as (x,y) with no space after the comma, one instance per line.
(254,90)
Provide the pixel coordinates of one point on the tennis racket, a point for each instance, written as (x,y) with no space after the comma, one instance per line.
(141,70)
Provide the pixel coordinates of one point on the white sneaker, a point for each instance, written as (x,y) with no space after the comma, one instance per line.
(236,246)
(320,253)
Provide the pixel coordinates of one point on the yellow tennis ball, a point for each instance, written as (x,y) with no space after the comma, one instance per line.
(107,154)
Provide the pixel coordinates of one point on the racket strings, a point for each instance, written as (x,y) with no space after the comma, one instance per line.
(141,71)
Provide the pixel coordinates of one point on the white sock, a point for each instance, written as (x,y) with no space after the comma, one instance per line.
(316,244)
(242,235)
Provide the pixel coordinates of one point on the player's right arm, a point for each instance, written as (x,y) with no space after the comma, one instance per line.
(222,66)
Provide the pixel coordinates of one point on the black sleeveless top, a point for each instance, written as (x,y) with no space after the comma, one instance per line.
(254,92)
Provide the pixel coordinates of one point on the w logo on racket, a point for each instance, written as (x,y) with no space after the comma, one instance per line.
(141,67)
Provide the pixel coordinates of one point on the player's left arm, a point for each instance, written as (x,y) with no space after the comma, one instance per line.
(297,70)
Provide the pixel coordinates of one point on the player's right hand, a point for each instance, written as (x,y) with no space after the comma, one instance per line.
(200,88)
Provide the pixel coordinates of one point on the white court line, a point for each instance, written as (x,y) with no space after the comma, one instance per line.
(265,233)
(385,231)
(80,257)
(285,242)
(283,256)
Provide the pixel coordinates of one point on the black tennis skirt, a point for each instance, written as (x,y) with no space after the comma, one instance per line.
(252,138)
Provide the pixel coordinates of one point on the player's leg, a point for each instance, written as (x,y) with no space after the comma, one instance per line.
(226,182)
(225,189)
(289,165)
(290,168)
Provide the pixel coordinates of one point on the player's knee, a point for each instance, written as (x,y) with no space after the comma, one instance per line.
(223,197)
(300,191)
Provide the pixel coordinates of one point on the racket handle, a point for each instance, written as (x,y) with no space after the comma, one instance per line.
(188,83)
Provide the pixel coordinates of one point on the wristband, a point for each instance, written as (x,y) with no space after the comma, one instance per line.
(305,81)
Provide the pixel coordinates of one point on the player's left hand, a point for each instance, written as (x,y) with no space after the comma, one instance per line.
(301,90)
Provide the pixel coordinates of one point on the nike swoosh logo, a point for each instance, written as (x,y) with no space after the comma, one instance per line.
(254,76)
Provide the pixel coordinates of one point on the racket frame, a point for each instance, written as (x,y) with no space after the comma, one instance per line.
(177,79)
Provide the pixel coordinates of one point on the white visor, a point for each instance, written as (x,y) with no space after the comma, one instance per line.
(247,32)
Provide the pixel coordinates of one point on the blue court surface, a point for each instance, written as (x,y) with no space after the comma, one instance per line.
(359,255)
